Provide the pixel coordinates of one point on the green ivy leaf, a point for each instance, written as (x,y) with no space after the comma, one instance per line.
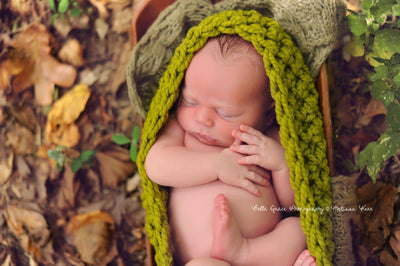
(133,152)
(380,91)
(393,117)
(358,24)
(381,73)
(396,79)
(120,139)
(373,156)
(388,40)
(86,156)
(135,134)
(63,6)
(76,165)
(382,7)
(367,4)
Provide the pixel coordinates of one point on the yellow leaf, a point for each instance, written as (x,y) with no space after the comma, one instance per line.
(60,127)
(354,49)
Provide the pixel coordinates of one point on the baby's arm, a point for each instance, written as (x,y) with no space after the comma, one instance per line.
(269,154)
(170,163)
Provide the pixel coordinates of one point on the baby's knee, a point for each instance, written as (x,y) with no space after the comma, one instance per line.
(207,262)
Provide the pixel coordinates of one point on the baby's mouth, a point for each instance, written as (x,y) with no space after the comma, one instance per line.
(205,139)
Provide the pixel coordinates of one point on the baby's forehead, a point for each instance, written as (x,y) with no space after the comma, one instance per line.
(232,49)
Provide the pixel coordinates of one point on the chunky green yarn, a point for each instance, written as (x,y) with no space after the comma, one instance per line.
(297,110)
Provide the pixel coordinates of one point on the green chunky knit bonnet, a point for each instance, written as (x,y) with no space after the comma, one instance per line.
(297,111)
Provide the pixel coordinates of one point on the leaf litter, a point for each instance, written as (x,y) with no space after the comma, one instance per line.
(47,214)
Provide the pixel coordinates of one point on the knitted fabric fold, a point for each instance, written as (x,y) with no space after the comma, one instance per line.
(298,115)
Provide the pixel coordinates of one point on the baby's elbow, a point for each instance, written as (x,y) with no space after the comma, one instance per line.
(153,169)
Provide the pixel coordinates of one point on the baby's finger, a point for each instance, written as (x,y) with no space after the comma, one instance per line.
(245,149)
(252,159)
(246,137)
(250,130)
(260,171)
(250,187)
(257,178)
(236,142)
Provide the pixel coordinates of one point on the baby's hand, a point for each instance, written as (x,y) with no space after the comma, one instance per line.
(243,176)
(261,150)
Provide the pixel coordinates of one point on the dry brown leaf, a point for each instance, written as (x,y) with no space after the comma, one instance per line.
(68,189)
(42,69)
(29,226)
(14,65)
(72,52)
(21,139)
(386,258)
(115,166)
(22,7)
(92,235)
(101,28)
(378,199)
(372,109)
(101,7)
(6,164)
(121,20)
(119,74)
(60,127)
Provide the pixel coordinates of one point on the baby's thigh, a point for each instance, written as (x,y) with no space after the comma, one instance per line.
(288,237)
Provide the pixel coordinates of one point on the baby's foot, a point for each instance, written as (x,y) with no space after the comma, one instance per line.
(305,259)
(228,243)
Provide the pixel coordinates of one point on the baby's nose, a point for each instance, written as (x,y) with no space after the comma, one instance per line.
(205,116)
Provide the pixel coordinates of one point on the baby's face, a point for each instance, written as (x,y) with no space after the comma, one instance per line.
(219,94)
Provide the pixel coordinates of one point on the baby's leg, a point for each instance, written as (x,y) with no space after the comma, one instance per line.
(279,247)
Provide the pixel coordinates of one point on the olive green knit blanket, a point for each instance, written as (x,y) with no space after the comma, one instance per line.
(297,109)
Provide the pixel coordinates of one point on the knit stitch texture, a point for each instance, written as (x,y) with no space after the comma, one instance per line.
(298,114)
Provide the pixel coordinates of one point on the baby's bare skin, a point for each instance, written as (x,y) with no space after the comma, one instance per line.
(191,212)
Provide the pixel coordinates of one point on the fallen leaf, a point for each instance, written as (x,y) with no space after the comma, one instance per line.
(68,189)
(21,139)
(22,7)
(121,21)
(101,28)
(60,127)
(386,258)
(373,108)
(72,52)
(379,198)
(29,226)
(122,62)
(101,7)
(115,165)
(92,235)
(13,65)
(41,69)
(6,164)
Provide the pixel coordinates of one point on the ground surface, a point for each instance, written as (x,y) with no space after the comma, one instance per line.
(47,213)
